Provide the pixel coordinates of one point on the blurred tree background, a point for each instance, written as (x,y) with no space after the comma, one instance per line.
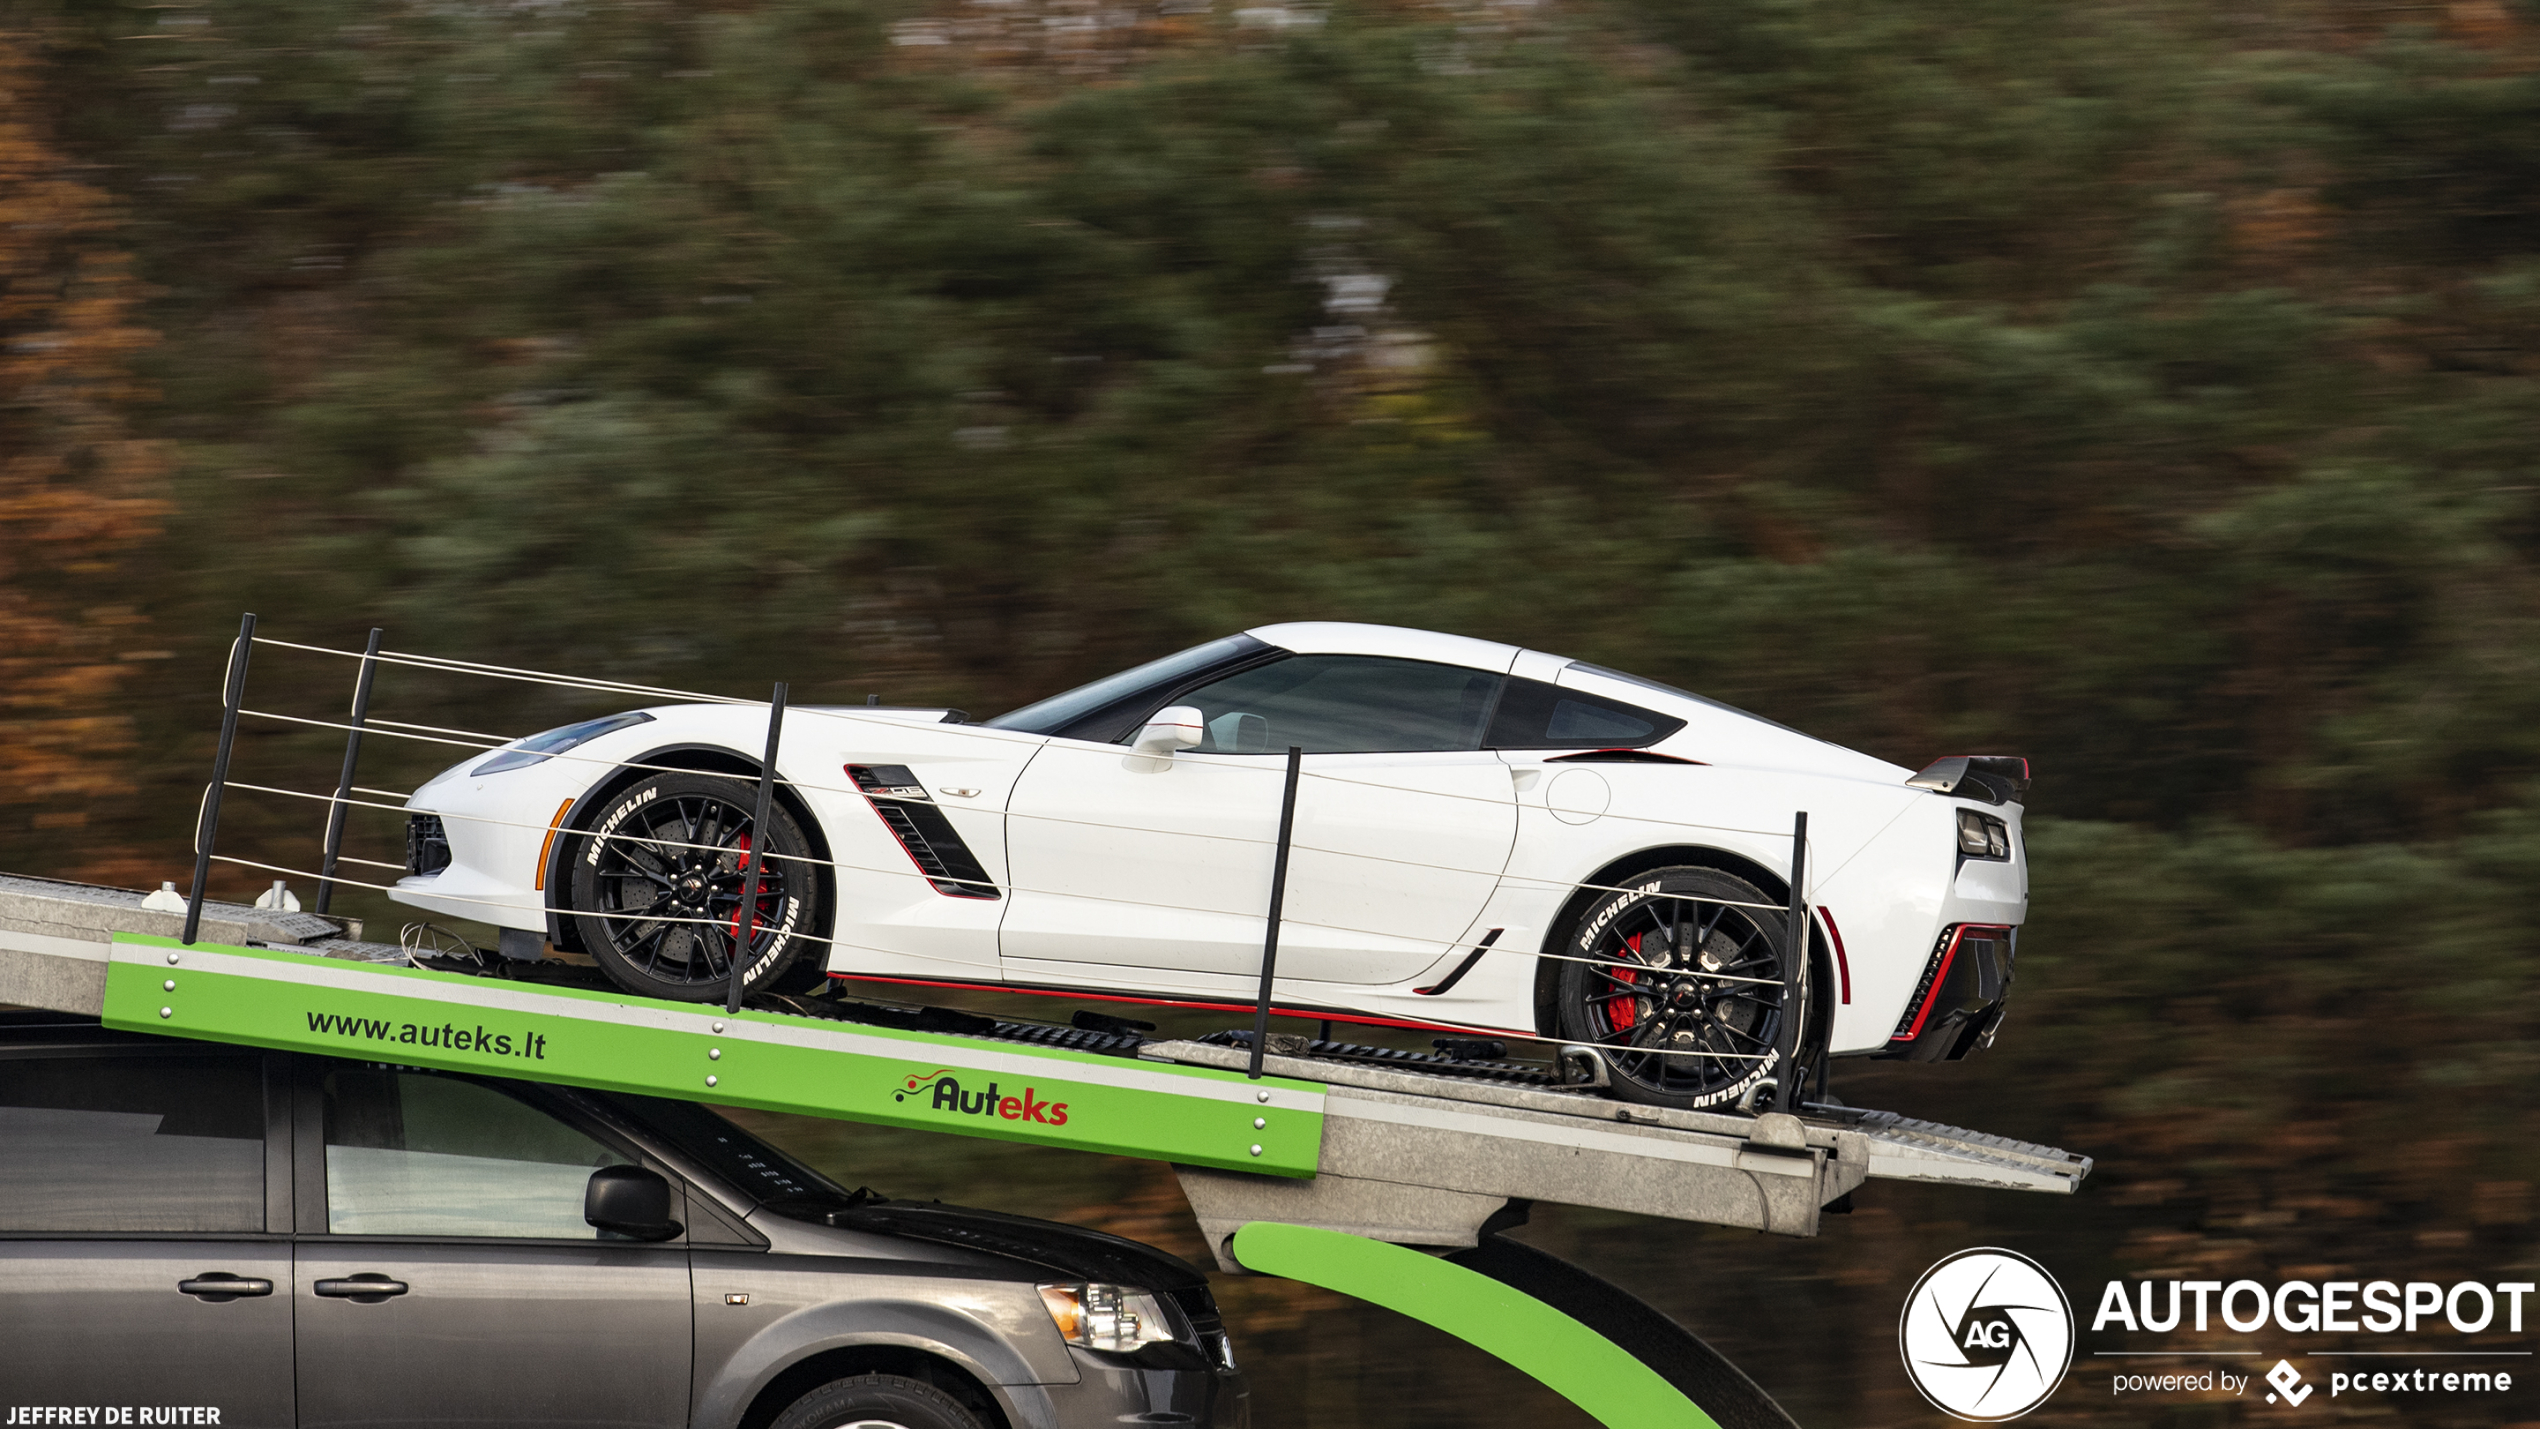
(2148,388)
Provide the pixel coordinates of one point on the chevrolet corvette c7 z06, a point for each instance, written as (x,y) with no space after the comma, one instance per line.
(1487,839)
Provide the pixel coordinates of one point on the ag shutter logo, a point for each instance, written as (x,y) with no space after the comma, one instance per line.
(1986,1335)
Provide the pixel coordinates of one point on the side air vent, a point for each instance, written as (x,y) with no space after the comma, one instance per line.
(427,844)
(922,829)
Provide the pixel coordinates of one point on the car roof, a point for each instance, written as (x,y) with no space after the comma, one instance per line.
(1341,637)
(1714,734)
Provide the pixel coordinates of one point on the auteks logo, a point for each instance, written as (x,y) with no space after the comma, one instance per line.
(1986,1335)
(944,1093)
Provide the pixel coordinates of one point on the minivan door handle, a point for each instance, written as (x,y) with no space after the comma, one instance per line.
(219,1286)
(368,1288)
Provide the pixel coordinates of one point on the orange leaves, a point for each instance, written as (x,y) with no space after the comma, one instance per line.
(76,485)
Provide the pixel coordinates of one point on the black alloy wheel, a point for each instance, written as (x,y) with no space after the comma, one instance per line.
(658,882)
(878,1401)
(1677,979)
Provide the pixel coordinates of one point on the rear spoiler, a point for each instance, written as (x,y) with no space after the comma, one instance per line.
(1994,778)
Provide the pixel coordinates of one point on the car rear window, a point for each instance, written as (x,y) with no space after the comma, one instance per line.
(1534,715)
(132,1143)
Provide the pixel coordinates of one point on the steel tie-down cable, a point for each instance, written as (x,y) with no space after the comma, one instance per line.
(575,682)
(661,843)
(1531,879)
(454,666)
(470,667)
(1009,887)
(1501,1033)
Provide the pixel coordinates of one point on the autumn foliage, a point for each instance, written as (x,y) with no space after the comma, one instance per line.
(76,485)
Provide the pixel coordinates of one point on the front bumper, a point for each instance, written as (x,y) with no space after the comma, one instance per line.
(477,848)
(1964,990)
(1109,1393)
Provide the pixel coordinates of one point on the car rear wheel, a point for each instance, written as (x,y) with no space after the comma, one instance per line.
(1677,978)
(658,882)
(878,1401)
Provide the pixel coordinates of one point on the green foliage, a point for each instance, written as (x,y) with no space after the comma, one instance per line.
(2142,388)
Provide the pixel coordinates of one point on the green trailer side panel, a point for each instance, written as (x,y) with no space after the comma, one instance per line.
(933,1082)
(1574,1361)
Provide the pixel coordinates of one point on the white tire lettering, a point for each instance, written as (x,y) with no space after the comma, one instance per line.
(1624,902)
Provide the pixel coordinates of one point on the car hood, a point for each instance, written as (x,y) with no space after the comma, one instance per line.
(1072,1251)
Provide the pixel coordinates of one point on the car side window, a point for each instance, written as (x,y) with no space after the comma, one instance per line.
(132,1143)
(1345,704)
(1534,715)
(411,1153)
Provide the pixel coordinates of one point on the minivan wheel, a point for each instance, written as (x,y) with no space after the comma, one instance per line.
(877,1401)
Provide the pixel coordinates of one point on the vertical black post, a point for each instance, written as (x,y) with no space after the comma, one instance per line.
(344,781)
(1794,968)
(757,859)
(209,824)
(1278,897)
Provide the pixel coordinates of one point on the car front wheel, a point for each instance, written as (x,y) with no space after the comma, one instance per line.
(659,878)
(1676,976)
(877,1401)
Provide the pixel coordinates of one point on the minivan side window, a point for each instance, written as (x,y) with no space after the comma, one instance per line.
(410,1153)
(1345,704)
(111,1143)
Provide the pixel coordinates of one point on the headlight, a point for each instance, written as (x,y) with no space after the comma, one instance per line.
(1982,835)
(539,748)
(1107,1317)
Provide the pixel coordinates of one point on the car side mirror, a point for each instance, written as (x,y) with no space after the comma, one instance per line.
(1173,727)
(629,1201)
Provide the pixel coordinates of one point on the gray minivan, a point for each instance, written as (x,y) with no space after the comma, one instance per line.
(202,1234)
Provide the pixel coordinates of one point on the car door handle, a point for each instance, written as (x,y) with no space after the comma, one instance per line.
(367,1288)
(218,1286)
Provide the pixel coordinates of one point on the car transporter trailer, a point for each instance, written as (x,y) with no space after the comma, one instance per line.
(1375,1173)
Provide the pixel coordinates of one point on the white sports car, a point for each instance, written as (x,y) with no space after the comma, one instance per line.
(1487,840)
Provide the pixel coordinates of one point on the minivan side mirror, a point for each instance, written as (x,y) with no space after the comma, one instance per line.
(629,1201)
(1173,727)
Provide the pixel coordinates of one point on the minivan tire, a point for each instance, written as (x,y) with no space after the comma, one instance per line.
(877,1401)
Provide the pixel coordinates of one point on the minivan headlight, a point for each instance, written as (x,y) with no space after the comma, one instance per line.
(1107,1317)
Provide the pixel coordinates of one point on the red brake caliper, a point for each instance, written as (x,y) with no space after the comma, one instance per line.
(741,843)
(1622,1012)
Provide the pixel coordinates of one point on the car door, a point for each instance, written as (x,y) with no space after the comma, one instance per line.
(461,1202)
(1160,867)
(144,1232)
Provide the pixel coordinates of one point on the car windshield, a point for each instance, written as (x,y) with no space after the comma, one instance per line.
(1059,713)
(745,1163)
